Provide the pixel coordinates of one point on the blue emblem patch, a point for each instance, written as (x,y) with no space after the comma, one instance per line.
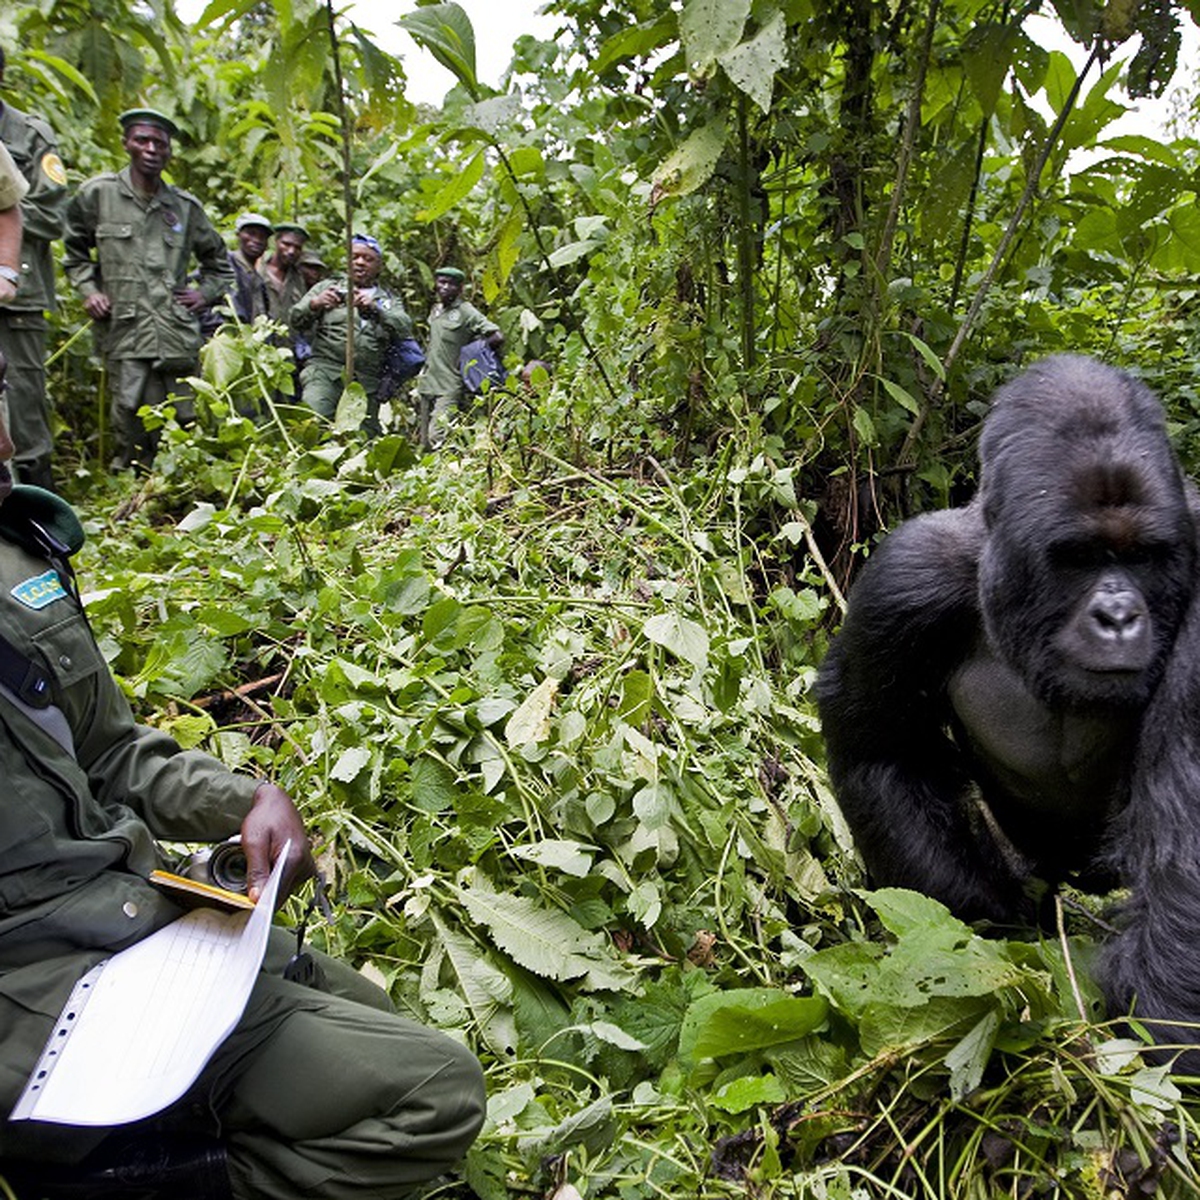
(41,590)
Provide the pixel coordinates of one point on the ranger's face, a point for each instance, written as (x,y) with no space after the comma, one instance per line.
(288,247)
(447,289)
(364,266)
(149,148)
(253,241)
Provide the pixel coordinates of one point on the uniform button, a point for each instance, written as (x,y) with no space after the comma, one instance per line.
(129,909)
(64,661)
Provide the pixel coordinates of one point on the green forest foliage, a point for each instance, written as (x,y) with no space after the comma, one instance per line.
(546,696)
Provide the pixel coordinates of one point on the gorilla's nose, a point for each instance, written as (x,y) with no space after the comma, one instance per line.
(1118,616)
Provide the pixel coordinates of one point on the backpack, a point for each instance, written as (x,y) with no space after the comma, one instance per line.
(402,359)
(477,362)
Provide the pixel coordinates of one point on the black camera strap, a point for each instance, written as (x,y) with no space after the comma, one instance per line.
(23,677)
(302,967)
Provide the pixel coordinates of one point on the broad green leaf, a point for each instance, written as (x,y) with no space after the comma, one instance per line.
(487,989)
(1154,1088)
(225,622)
(645,903)
(753,65)
(455,191)
(901,395)
(987,54)
(1116,1055)
(217,10)
(710,28)
(543,940)
(748,1092)
(897,1028)
(905,912)
(635,41)
(222,360)
(740,1020)
(679,634)
(495,115)
(572,858)
(925,351)
(198,518)
(692,163)
(446,32)
(562,256)
(1144,147)
(433,785)
(527,161)
(531,721)
(66,70)
(350,764)
(864,426)
(592,1127)
(968,1059)
(637,695)
(190,730)
(614,1035)
(351,409)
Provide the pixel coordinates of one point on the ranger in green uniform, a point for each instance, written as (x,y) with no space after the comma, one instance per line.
(12,188)
(129,241)
(452,324)
(281,270)
(320,317)
(31,143)
(316,1093)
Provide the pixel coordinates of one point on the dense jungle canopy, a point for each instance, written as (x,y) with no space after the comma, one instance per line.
(547,695)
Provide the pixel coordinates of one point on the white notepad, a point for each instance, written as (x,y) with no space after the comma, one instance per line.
(140,1026)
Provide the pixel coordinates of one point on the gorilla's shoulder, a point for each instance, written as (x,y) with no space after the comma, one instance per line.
(924,573)
(944,544)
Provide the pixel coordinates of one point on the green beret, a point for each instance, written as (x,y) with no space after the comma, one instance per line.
(253,219)
(147,116)
(289,227)
(450,273)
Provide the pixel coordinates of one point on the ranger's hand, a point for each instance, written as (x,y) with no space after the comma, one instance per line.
(330,298)
(272,821)
(98,306)
(191,298)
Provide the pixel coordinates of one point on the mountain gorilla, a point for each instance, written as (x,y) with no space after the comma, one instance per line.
(1014,697)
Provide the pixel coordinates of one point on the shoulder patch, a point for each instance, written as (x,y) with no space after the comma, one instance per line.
(53,169)
(41,590)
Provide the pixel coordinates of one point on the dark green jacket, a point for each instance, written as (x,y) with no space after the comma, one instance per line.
(31,143)
(326,331)
(139,252)
(451,327)
(77,828)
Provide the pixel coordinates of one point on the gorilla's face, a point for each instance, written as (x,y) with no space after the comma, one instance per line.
(1088,563)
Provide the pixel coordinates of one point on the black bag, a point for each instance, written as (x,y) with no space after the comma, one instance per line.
(403,359)
(477,362)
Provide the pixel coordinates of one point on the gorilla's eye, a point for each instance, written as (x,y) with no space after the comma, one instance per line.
(1081,555)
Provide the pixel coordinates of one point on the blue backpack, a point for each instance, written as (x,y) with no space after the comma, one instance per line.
(477,362)
(402,360)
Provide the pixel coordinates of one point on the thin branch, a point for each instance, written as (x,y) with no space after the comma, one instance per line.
(989,276)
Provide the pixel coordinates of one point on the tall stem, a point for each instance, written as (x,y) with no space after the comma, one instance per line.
(347,191)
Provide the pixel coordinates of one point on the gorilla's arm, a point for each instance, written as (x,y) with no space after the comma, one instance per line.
(1152,963)
(900,779)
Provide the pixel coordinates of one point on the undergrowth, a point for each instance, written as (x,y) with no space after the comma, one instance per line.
(552,723)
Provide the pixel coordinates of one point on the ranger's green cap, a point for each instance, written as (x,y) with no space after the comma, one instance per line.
(310,258)
(290,227)
(258,219)
(148,116)
(450,273)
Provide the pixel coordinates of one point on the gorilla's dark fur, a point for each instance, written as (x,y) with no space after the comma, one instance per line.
(1015,694)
